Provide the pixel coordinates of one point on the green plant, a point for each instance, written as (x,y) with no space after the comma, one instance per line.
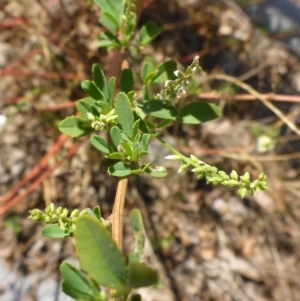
(125,122)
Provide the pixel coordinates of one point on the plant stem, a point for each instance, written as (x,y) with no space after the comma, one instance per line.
(117,214)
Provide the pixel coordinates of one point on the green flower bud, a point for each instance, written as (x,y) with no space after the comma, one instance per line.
(242,192)
(75,213)
(106,223)
(50,209)
(59,210)
(48,219)
(65,212)
(215,180)
(223,175)
(173,157)
(262,176)
(246,178)
(54,217)
(197,170)
(234,175)
(194,159)
(62,225)
(183,168)
(90,116)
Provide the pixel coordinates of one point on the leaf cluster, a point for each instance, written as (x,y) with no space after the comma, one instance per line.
(131,123)
(120,20)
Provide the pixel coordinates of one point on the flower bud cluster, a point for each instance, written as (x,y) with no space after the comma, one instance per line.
(54,215)
(215,176)
(176,89)
(103,121)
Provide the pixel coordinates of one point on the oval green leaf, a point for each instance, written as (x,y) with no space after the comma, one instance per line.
(124,111)
(159,109)
(198,112)
(121,169)
(115,134)
(101,144)
(75,283)
(91,89)
(137,226)
(75,126)
(98,253)
(100,80)
(156,171)
(141,275)
(165,71)
(54,231)
(148,32)
(127,80)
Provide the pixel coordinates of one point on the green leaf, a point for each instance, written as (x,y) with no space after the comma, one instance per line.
(127,80)
(137,226)
(143,125)
(124,111)
(131,95)
(136,151)
(156,171)
(146,69)
(111,23)
(198,112)
(75,283)
(91,89)
(121,169)
(75,126)
(98,253)
(135,128)
(141,275)
(165,71)
(86,105)
(159,109)
(115,9)
(103,43)
(54,231)
(111,89)
(127,146)
(130,25)
(109,40)
(116,136)
(100,80)
(115,156)
(163,124)
(145,141)
(150,78)
(101,144)
(148,32)
(90,212)
(97,212)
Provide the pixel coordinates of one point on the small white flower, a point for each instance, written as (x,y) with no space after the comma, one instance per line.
(265,144)
(194,69)
(159,97)
(176,73)
(167,83)
(183,168)
(172,157)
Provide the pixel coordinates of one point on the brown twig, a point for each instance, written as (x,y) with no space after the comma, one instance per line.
(259,96)
(12,202)
(37,170)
